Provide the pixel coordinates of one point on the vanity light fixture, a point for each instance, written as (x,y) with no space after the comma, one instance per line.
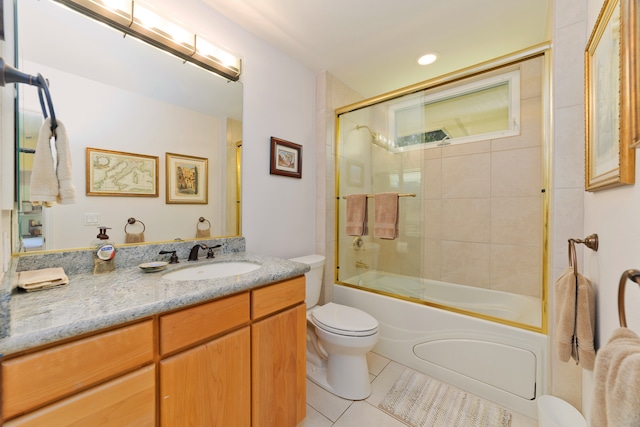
(427,59)
(134,18)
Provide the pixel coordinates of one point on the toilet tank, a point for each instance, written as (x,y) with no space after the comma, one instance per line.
(313,277)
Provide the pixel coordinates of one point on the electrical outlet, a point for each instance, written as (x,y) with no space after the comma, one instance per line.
(92,219)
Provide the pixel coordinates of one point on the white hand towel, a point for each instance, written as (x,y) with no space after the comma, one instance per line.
(575,319)
(616,393)
(66,190)
(37,280)
(44,183)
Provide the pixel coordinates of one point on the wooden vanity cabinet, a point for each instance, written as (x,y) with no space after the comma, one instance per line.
(208,383)
(278,354)
(93,381)
(236,361)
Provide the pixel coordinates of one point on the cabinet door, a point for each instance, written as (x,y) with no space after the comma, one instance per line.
(39,378)
(208,385)
(126,401)
(278,360)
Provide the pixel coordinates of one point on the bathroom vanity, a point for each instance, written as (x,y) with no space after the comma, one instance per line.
(234,356)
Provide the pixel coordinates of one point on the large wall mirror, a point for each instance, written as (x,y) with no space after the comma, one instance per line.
(116,93)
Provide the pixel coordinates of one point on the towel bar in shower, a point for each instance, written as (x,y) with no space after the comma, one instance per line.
(369,196)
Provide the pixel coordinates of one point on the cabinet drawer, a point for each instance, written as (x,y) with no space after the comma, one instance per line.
(35,379)
(270,299)
(125,401)
(192,325)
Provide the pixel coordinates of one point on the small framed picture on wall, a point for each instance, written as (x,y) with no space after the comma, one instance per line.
(286,158)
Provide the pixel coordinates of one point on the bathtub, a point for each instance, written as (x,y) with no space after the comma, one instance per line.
(513,307)
(505,364)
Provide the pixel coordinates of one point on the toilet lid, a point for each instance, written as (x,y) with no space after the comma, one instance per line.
(344,320)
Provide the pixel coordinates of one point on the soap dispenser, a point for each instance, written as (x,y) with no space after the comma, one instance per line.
(104,253)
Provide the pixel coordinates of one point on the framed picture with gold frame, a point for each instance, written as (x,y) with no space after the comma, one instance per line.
(116,173)
(187,178)
(631,97)
(610,160)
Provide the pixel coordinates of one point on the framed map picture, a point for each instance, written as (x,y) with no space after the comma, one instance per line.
(114,173)
(187,179)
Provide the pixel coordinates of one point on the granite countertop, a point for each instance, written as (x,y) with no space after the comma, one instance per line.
(92,302)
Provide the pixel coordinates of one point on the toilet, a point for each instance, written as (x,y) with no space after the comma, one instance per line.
(338,339)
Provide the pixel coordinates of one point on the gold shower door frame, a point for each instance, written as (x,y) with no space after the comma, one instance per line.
(542,50)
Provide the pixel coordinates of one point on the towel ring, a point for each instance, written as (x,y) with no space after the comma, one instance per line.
(629,274)
(203,220)
(131,221)
(573,258)
(590,241)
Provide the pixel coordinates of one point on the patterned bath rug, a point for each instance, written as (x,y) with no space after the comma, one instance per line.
(422,401)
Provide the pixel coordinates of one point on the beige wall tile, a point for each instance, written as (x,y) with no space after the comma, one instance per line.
(531,126)
(569,147)
(432,249)
(466,176)
(517,221)
(467,220)
(531,73)
(432,222)
(432,179)
(568,56)
(432,153)
(516,173)
(466,149)
(466,263)
(516,269)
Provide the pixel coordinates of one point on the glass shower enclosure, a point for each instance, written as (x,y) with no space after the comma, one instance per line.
(467,159)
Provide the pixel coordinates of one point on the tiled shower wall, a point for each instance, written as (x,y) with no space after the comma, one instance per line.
(477,218)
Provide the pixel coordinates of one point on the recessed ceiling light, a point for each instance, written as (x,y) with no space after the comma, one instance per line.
(427,59)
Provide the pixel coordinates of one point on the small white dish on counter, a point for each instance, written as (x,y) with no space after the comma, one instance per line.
(150,267)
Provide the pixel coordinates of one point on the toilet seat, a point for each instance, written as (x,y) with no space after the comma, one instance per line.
(343,320)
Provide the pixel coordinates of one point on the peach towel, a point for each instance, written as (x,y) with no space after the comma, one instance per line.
(575,321)
(37,280)
(357,215)
(616,393)
(385,225)
(134,237)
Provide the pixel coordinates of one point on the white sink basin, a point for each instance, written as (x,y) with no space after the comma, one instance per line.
(212,271)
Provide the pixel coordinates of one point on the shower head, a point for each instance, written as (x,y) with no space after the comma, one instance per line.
(373,135)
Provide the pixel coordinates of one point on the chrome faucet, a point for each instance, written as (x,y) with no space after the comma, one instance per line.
(193,255)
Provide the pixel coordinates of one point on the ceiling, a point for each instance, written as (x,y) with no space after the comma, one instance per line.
(372,45)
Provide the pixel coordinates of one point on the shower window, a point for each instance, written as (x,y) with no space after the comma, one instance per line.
(475,111)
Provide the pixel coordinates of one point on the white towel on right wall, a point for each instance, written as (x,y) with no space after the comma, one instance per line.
(616,395)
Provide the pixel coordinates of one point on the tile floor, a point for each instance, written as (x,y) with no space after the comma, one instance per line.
(327,410)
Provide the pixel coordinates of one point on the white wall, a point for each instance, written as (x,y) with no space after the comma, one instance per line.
(613,214)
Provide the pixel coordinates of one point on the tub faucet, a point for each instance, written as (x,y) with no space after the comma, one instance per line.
(193,255)
(360,264)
